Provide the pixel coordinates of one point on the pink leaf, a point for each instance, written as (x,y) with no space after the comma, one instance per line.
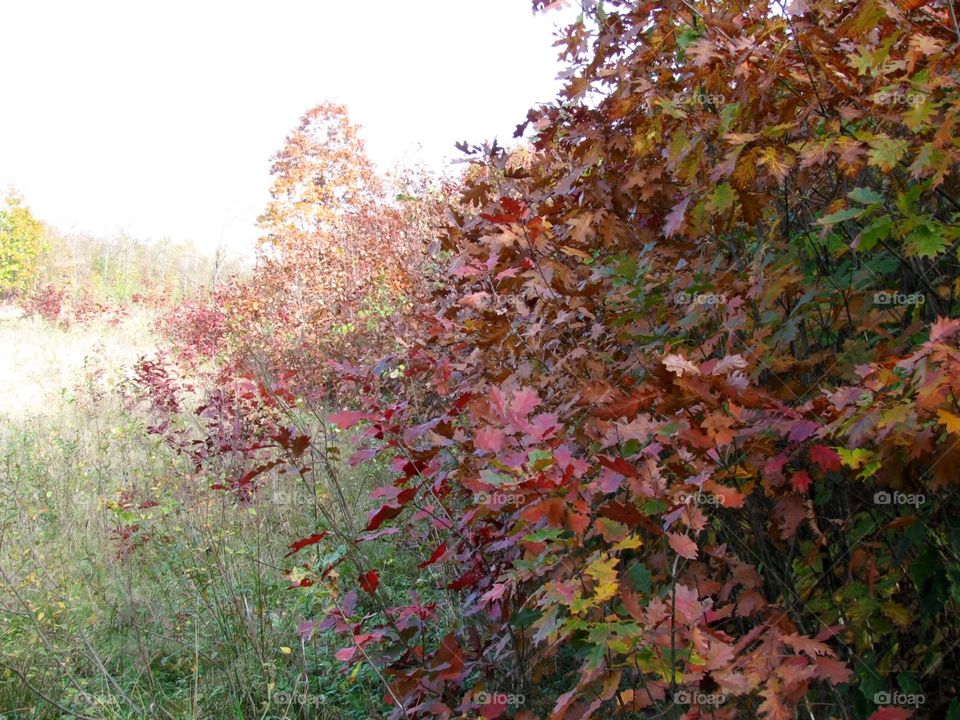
(346,654)
(489,438)
(683,545)
(833,670)
(305,630)
(674,221)
(362,456)
(348,418)
(944,329)
(524,401)
(802,429)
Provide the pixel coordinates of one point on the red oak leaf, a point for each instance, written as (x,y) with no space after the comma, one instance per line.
(683,545)
(306,542)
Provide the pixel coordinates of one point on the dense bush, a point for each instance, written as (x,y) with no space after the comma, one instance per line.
(679,435)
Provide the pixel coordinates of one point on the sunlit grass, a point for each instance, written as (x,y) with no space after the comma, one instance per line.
(193,619)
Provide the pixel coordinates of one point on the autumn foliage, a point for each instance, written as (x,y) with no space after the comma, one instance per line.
(671,438)
(338,254)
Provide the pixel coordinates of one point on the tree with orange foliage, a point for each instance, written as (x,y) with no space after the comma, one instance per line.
(338,256)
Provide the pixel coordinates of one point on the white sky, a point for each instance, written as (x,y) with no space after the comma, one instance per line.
(159,119)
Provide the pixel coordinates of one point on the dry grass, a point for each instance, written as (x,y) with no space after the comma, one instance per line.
(40,363)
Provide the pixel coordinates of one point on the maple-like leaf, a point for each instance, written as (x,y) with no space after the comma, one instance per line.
(702,51)
(800,430)
(524,401)
(581,227)
(489,438)
(834,670)
(806,645)
(800,481)
(944,329)
(728,363)
(825,458)
(886,152)
(789,513)
(950,421)
(925,240)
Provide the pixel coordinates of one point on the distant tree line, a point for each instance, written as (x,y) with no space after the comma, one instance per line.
(34,254)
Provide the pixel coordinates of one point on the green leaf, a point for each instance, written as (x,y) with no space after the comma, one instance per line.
(525,618)
(953,711)
(540,459)
(543,535)
(495,478)
(873,233)
(926,240)
(721,199)
(728,116)
(886,152)
(841,215)
(853,459)
(865,196)
(640,578)
(655,506)
(687,37)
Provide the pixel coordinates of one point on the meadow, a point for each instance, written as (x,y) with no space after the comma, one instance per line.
(127,588)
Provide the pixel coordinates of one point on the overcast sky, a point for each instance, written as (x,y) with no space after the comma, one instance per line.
(159,119)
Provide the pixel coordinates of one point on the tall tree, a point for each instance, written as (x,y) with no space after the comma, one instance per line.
(339,251)
(324,189)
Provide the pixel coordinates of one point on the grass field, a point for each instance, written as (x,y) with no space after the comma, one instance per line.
(113,610)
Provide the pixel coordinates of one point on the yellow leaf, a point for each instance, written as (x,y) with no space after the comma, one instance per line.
(285,650)
(604,572)
(629,543)
(897,613)
(950,421)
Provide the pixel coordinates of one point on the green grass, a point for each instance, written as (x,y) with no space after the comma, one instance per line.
(195,622)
